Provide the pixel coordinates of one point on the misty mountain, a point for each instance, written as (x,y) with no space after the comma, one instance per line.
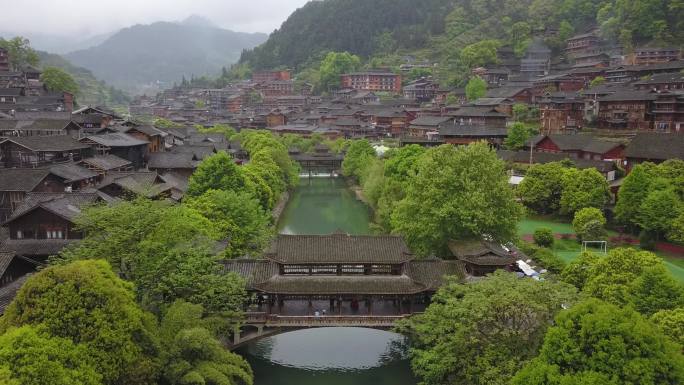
(57,43)
(163,52)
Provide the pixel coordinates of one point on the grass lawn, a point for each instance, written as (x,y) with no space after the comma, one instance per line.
(569,249)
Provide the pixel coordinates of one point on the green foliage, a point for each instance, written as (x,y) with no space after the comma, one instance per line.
(627,277)
(518,135)
(542,187)
(581,189)
(476,88)
(30,357)
(165,123)
(578,272)
(238,216)
(357,157)
(194,355)
(482,332)
(335,64)
(543,237)
(224,129)
(597,81)
(599,343)
(520,112)
(671,323)
(457,193)
(651,198)
(58,80)
(217,172)
(134,237)
(480,54)
(589,224)
(86,303)
(20,53)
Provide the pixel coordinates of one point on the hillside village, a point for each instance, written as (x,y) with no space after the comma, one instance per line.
(469,192)
(55,156)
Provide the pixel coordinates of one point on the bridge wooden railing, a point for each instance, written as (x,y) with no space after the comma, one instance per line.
(275,320)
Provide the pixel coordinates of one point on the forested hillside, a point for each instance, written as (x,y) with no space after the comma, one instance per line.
(92,91)
(163,52)
(440,29)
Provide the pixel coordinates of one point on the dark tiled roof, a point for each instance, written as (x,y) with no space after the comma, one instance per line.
(656,146)
(8,292)
(430,273)
(170,160)
(326,285)
(628,96)
(116,140)
(338,248)
(66,205)
(34,125)
(459,130)
(468,111)
(505,92)
(200,152)
(26,180)
(48,143)
(481,253)
(586,143)
(429,121)
(107,162)
(72,172)
(5,259)
(36,247)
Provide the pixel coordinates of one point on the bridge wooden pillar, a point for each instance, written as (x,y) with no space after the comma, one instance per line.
(236,335)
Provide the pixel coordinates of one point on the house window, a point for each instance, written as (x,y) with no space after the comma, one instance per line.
(55,234)
(20,234)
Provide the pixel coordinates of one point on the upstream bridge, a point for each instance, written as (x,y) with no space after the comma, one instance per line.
(321,161)
(261,324)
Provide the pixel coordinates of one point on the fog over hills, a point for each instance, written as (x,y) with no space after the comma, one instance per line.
(163,52)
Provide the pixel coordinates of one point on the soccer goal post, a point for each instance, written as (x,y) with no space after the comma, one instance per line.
(603,245)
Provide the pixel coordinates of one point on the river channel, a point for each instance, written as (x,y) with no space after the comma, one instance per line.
(328,356)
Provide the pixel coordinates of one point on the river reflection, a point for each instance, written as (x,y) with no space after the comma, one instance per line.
(335,356)
(323,206)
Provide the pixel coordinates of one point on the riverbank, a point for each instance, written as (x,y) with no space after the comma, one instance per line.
(280,207)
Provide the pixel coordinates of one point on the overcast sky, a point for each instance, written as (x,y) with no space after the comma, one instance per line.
(91,17)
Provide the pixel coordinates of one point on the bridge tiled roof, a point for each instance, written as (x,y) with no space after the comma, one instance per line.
(481,253)
(338,248)
(419,276)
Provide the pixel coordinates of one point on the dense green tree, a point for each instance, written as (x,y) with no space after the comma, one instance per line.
(520,112)
(262,145)
(480,54)
(458,193)
(597,81)
(656,290)
(583,188)
(30,357)
(578,272)
(357,158)
(238,216)
(476,88)
(56,79)
(217,172)
(671,323)
(599,343)
(194,354)
(543,237)
(518,135)
(483,332)
(633,192)
(134,237)
(165,123)
(224,129)
(335,64)
(20,53)
(589,224)
(86,303)
(542,187)
(659,210)
(628,276)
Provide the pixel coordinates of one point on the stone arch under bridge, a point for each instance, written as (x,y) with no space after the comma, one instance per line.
(260,325)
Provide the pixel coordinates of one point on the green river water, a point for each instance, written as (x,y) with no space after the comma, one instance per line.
(328,356)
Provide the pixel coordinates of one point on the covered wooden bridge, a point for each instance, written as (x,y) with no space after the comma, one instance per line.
(338,280)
